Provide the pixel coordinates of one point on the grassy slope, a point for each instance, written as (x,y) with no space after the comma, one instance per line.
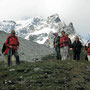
(47,75)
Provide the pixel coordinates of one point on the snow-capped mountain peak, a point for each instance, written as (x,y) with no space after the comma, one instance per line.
(38,29)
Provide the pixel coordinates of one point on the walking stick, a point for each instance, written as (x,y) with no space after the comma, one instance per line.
(9,58)
(2,61)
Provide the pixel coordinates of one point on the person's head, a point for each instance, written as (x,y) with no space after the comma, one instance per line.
(55,34)
(76,38)
(63,33)
(88,44)
(66,34)
(13,32)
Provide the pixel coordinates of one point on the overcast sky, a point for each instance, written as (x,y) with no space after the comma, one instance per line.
(76,11)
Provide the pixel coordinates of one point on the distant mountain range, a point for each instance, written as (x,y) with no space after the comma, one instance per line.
(39,30)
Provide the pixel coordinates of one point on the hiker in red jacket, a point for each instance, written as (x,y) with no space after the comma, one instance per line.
(88,51)
(12,45)
(64,46)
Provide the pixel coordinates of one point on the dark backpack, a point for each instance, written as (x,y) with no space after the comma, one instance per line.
(3,48)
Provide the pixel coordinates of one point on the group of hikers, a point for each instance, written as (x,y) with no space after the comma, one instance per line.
(63,45)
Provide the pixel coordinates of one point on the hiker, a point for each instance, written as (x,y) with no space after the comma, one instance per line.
(69,45)
(88,51)
(77,46)
(69,40)
(64,46)
(12,45)
(57,45)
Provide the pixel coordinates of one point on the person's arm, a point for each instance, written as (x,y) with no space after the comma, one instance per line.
(18,42)
(58,41)
(70,42)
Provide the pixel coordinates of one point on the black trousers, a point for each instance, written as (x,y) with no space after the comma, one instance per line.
(15,53)
(76,55)
(57,52)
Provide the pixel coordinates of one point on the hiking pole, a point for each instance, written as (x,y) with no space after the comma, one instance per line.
(2,61)
(10,54)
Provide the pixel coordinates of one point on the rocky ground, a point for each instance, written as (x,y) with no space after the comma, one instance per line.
(48,74)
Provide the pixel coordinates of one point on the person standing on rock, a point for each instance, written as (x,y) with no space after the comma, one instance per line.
(64,46)
(77,46)
(12,45)
(57,45)
(88,51)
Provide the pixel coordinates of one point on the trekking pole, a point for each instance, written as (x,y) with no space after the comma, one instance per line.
(9,56)
(2,60)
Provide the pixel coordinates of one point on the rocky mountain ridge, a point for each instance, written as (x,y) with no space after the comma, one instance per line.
(39,30)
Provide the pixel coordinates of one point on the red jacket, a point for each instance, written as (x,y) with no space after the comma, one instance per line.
(11,41)
(88,50)
(64,41)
